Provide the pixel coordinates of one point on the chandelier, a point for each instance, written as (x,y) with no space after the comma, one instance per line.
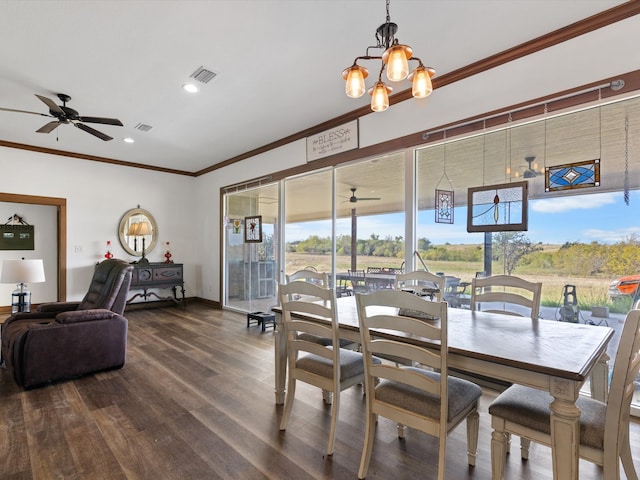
(395,59)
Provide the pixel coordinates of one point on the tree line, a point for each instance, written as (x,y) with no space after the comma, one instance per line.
(514,249)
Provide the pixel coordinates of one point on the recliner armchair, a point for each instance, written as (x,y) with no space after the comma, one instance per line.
(63,340)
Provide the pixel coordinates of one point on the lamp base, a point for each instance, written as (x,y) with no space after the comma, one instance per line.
(21,299)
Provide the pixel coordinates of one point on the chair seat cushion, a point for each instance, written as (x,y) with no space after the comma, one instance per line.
(351,364)
(461,394)
(530,408)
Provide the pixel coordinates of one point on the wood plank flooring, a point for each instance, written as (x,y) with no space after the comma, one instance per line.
(195,401)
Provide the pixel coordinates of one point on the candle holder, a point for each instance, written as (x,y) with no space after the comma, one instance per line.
(167,255)
(108,255)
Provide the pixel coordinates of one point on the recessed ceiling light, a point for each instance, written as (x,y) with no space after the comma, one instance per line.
(190,87)
(129,140)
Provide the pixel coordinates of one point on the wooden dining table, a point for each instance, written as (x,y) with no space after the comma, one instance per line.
(557,357)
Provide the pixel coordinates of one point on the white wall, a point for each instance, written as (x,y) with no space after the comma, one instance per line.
(97,195)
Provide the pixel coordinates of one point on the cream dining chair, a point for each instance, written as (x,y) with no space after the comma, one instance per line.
(604,428)
(331,369)
(506,294)
(305,275)
(421,282)
(412,396)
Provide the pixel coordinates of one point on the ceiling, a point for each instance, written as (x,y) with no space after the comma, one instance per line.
(279,65)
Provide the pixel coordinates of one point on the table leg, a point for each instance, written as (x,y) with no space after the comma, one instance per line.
(565,429)
(600,379)
(280,359)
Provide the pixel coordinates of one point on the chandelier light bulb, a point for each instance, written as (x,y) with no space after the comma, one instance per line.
(380,97)
(354,77)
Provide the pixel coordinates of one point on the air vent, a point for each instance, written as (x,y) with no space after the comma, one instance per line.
(203,75)
(143,127)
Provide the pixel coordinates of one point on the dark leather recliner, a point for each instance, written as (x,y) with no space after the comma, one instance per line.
(63,340)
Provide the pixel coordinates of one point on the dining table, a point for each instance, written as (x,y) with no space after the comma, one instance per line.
(557,357)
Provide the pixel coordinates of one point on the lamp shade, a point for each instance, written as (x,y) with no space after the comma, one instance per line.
(379,97)
(133,229)
(396,57)
(354,77)
(421,82)
(22,271)
(143,229)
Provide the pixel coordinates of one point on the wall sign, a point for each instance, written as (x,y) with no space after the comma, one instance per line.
(16,237)
(333,141)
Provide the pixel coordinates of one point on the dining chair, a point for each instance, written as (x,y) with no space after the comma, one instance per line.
(326,367)
(604,427)
(421,283)
(420,396)
(308,275)
(358,281)
(506,294)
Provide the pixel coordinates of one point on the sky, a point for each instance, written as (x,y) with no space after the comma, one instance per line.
(603,218)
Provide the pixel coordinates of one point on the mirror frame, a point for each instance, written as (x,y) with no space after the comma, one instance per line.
(124,222)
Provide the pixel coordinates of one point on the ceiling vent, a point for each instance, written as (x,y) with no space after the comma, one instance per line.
(143,127)
(203,75)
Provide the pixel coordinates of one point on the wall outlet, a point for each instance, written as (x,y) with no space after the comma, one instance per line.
(77,248)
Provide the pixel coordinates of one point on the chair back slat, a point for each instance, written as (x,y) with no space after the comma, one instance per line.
(421,282)
(514,295)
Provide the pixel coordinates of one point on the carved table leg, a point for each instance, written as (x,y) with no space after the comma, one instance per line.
(565,429)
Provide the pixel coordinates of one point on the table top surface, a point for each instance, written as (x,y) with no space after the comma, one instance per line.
(560,349)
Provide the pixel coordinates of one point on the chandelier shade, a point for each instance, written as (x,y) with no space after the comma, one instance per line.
(420,79)
(354,77)
(380,97)
(395,60)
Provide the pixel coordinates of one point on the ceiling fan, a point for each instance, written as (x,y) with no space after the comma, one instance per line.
(64,114)
(531,170)
(354,199)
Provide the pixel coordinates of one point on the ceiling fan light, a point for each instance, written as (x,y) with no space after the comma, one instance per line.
(379,97)
(397,59)
(354,77)
(421,81)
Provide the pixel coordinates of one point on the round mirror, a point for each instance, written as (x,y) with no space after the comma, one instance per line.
(138,232)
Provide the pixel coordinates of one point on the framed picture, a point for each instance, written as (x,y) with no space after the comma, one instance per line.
(253,229)
(498,208)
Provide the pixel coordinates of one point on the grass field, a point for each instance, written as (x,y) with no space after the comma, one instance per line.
(590,291)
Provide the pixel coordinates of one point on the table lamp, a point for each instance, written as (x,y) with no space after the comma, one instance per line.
(22,272)
(144,228)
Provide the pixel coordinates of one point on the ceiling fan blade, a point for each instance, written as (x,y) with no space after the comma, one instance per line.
(50,103)
(104,121)
(49,127)
(369,198)
(93,131)
(24,111)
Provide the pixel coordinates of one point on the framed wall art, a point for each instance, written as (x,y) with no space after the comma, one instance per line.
(498,208)
(253,229)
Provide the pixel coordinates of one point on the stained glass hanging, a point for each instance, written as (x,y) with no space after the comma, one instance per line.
(572,175)
(444,206)
(498,208)
(444,198)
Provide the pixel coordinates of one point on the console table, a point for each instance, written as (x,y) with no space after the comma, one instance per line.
(157,275)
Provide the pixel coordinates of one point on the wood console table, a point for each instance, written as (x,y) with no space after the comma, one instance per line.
(157,275)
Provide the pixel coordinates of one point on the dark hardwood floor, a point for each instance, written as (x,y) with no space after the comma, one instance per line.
(195,401)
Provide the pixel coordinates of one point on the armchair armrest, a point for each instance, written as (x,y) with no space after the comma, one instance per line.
(76,316)
(56,307)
